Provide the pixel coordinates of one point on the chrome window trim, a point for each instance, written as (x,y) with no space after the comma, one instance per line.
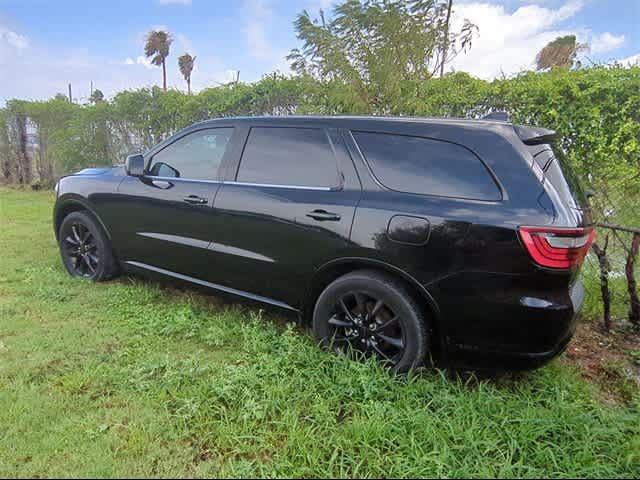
(271,185)
(180,179)
(244,184)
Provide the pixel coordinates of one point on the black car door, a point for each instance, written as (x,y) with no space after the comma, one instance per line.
(288,208)
(165,217)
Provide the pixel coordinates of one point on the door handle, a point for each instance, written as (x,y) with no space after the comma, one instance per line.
(324,216)
(195,200)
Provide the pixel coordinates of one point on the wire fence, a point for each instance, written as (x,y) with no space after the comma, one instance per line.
(611,270)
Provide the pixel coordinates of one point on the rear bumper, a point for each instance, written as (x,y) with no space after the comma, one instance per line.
(514,330)
(478,358)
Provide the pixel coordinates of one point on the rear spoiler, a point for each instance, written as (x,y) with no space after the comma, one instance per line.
(528,135)
(535,135)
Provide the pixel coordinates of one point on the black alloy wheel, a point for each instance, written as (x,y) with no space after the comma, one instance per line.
(85,249)
(374,315)
(361,322)
(80,247)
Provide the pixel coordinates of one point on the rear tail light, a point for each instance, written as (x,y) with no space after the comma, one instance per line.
(558,248)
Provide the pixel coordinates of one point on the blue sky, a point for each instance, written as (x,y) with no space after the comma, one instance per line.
(45,44)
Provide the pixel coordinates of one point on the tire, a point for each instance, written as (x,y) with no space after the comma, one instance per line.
(373,314)
(85,249)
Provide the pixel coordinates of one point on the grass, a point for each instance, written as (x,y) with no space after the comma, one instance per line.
(130,378)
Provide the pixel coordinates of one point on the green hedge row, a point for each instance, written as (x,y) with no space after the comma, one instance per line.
(596,111)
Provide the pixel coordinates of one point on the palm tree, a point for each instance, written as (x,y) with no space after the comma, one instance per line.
(186,62)
(561,53)
(157,46)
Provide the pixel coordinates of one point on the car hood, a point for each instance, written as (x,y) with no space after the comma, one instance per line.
(94,171)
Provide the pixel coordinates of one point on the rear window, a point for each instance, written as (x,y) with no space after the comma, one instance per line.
(288,157)
(427,167)
(557,171)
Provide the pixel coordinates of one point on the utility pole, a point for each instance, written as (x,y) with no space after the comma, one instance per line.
(70,97)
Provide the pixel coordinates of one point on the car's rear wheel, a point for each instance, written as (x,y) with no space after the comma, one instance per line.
(373,315)
(85,249)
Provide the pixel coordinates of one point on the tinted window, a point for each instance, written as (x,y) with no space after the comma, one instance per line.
(288,156)
(425,166)
(195,156)
(557,170)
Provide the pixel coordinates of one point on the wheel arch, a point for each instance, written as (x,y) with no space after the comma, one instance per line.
(70,205)
(334,269)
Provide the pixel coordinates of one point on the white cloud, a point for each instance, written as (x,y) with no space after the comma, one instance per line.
(259,17)
(12,39)
(174,2)
(325,5)
(605,42)
(632,61)
(139,60)
(508,42)
(12,46)
(183,44)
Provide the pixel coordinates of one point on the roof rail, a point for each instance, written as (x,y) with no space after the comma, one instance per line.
(499,116)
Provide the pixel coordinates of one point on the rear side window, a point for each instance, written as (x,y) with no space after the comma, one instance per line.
(556,168)
(288,157)
(427,167)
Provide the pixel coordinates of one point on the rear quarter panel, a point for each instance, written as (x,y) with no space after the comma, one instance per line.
(473,265)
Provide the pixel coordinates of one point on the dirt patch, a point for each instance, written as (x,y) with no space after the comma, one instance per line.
(611,359)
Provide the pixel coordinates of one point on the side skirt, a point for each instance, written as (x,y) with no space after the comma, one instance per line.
(214,286)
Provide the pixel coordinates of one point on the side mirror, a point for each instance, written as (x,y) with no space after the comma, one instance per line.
(134,165)
(161,169)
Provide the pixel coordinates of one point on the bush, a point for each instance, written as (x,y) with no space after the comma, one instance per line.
(596,111)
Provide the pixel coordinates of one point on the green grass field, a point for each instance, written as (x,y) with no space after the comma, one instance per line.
(131,378)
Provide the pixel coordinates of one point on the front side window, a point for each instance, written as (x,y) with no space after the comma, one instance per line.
(288,157)
(427,167)
(196,156)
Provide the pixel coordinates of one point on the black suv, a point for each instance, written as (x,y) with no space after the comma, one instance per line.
(407,239)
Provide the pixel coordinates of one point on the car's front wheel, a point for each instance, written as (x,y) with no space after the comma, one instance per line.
(375,315)
(85,249)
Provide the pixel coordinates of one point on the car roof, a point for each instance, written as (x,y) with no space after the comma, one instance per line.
(451,129)
(355,120)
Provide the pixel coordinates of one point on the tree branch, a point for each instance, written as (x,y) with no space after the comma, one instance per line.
(620,228)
